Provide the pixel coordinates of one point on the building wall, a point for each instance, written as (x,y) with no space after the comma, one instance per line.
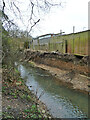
(75,43)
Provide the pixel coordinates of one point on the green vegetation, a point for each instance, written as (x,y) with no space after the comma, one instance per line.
(18,101)
(26,44)
(33,112)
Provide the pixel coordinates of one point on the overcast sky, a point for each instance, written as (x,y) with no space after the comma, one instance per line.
(70,13)
(73,13)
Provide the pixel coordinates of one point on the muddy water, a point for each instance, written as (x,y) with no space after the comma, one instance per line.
(60,100)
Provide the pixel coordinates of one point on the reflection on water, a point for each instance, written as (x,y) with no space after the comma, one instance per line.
(60,100)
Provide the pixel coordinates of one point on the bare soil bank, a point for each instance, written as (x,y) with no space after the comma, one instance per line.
(67,68)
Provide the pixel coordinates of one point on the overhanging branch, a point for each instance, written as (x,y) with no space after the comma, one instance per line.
(33,25)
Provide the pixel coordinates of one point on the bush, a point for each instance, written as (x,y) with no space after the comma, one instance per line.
(26,44)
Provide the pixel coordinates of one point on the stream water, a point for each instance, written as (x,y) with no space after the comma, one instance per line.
(61,101)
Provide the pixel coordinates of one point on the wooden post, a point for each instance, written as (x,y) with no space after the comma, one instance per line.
(66,46)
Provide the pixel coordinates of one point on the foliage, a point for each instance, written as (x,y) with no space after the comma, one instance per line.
(11,46)
(11,77)
(33,112)
(26,44)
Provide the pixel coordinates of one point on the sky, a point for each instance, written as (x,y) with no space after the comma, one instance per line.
(72,13)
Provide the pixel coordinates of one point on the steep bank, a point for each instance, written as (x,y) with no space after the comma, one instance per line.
(18,102)
(67,68)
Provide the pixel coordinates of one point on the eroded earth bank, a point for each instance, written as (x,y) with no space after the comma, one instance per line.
(69,69)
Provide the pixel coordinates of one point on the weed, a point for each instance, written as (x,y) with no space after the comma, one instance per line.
(23,96)
(29,97)
(12,93)
(8,107)
(27,110)
(21,82)
(28,116)
(16,70)
(8,116)
(3,90)
(34,116)
(39,111)
(39,116)
(33,107)
(15,96)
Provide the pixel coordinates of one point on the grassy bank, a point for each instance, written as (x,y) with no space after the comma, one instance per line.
(17,100)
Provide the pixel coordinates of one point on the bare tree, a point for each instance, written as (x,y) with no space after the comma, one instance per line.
(27,12)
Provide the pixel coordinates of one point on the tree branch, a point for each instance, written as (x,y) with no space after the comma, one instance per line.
(3,6)
(33,25)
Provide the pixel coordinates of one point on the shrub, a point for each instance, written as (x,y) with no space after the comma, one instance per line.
(26,44)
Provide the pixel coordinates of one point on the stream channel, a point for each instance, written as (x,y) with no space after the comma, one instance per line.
(61,101)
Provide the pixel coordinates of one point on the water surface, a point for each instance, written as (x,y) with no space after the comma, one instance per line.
(62,101)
